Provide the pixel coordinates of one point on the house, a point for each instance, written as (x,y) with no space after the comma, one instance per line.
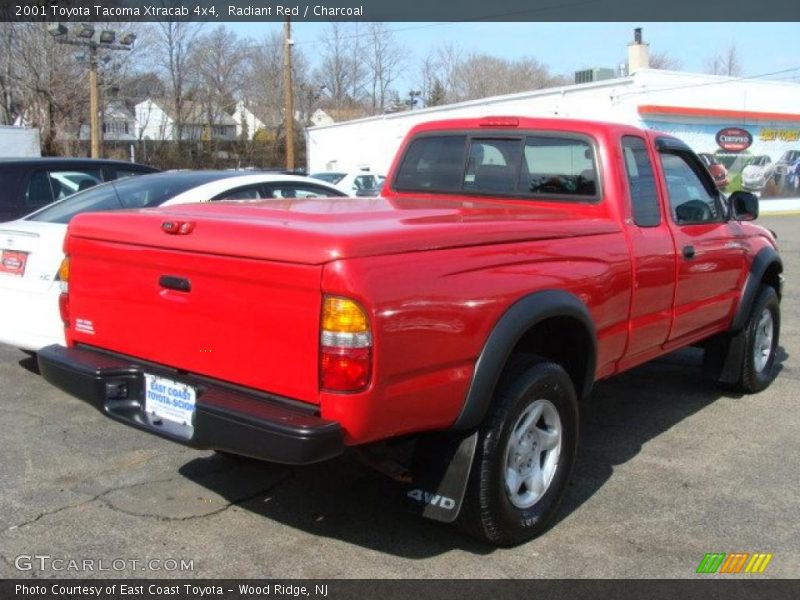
(156,120)
(246,122)
(119,124)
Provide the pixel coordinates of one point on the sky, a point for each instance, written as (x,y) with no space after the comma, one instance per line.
(568,47)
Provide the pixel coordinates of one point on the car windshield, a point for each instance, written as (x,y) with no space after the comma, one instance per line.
(333,178)
(790,156)
(132,192)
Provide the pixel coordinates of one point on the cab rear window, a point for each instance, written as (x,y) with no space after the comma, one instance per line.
(545,165)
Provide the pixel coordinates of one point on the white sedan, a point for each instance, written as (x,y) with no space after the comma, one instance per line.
(31,247)
(359,183)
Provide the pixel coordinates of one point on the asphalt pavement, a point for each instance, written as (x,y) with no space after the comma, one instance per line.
(670,467)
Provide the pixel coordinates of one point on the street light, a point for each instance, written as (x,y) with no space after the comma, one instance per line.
(86,31)
(83,37)
(57,29)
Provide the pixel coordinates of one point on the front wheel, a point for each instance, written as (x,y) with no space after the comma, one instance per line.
(761,342)
(525,454)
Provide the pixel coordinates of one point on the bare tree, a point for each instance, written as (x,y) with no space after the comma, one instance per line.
(507,76)
(384,58)
(662,60)
(173,44)
(217,72)
(335,70)
(264,84)
(726,62)
(46,83)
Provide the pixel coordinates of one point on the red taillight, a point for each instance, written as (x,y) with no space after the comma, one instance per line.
(63,307)
(63,299)
(345,346)
(345,369)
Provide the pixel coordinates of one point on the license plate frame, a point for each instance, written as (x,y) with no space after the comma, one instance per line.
(169,400)
(13,262)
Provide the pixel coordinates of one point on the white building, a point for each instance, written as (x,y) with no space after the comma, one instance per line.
(119,124)
(690,106)
(155,122)
(246,121)
(17,142)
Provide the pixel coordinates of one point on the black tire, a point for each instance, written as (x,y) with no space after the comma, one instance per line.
(755,377)
(488,512)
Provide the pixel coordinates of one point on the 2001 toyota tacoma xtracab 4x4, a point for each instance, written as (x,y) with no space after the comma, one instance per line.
(509,264)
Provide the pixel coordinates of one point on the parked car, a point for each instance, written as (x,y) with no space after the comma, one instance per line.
(27,184)
(32,246)
(509,264)
(718,171)
(359,183)
(757,173)
(784,170)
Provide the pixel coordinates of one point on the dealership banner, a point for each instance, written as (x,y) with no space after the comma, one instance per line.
(762,157)
(392,10)
(394,589)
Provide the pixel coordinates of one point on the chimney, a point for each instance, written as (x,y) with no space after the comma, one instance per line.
(638,53)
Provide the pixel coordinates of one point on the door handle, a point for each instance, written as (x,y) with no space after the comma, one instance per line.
(688,252)
(171,282)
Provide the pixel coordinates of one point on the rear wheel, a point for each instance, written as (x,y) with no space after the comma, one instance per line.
(525,454)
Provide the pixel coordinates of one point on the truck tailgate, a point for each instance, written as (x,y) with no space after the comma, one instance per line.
(250,322)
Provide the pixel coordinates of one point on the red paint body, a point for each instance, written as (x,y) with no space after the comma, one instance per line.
(434,272)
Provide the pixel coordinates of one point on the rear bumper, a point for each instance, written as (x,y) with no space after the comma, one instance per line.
(30,320)
(225,419)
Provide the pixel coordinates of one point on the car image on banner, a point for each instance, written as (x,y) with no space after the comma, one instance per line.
(31,247)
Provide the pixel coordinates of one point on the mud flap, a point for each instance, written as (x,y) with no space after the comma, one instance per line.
(440,471)
(723,358)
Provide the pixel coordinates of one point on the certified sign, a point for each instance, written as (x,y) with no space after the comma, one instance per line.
(734,139)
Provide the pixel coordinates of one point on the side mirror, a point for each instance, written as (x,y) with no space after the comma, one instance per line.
(743,205)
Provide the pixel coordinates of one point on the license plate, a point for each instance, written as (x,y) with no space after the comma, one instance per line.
(170,400)
(13,262)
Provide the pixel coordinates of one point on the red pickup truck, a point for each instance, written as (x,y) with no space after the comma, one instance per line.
(509,264)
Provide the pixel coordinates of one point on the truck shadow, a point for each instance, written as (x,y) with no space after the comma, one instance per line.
(345,500)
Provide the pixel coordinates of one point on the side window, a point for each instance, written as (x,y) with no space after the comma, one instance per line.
(558,166)
(122,173)
(433,163)
(300,190)
(252,192)
(66,183)
(39,192)
(690,200)
(641,182)
(365,182)
(492,165)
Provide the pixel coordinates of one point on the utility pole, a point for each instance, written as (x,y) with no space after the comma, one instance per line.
(94,117)
(288,93)
(84,37)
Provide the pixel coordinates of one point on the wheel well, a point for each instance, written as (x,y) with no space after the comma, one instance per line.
(565,341)
(772,276)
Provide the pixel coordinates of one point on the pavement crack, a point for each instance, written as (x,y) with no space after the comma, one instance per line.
(97,497)
(220,510)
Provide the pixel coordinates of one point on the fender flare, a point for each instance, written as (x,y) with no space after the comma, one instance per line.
(765,258)
(509,329)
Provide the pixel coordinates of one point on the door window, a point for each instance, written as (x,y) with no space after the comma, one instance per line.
(39,192)
(641,182)
(691,200)
(66,183)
